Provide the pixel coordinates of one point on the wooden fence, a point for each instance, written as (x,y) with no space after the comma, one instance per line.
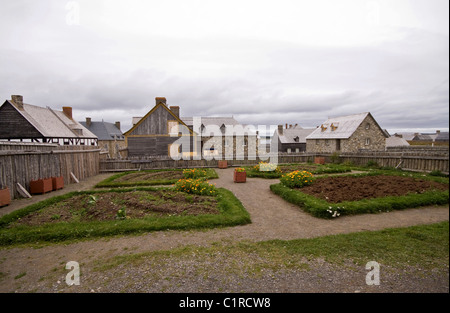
(408,161)
(23,162)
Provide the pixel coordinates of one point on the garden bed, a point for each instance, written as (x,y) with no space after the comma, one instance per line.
(287,168)
(345,195)
(119,211)
(151,177)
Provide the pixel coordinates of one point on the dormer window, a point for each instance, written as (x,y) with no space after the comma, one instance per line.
(297,139)
(334,126)
(323,127)
(222,128)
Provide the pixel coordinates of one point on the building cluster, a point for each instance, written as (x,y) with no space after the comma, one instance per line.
(164,132)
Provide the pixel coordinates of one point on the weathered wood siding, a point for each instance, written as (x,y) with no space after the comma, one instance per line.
(14,125)
(425,163)
(155,123)
(21,163)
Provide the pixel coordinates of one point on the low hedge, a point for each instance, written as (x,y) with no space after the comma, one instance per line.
(232,213)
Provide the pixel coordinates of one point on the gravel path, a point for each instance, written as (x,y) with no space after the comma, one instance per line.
(272,218)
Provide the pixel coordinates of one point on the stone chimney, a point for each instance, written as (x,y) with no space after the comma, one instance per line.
(18,101)
(280,129)
(160,99)
(175,110)
(88,122)
(286,125)
(68,111)
(117,125)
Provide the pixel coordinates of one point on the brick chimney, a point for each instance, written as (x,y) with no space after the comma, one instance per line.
(160,99)
(175,110)
(18,101)
(68,111)
(280,129)
(88,122)
(438,132)
(117,125)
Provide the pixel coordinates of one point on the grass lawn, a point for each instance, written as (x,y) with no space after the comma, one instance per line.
(229,212)
(320,207)
(424,246)
(152,177)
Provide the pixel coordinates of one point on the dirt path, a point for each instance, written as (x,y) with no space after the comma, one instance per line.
(272,218)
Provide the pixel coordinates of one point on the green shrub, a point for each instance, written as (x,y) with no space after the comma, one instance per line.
(297,179)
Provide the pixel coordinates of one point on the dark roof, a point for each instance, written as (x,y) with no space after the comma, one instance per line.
(104,130)
(442,136)
(290,134)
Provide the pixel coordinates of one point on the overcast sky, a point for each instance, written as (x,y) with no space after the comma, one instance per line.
(264,62)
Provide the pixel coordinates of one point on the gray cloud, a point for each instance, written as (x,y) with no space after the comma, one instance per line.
(112,74)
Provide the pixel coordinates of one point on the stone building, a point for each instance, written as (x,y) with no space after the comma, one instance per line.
(347,134)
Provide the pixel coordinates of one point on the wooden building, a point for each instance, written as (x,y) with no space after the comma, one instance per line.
(291,139)
(160,129)
(351,133)
(29,123)
(156,132)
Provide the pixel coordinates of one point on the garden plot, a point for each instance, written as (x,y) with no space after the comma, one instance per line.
(369,193)
(155,177)
(99,213)
(267,170)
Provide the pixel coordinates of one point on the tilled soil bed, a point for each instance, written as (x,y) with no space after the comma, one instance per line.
(354,188)
(147,176)
(137,204)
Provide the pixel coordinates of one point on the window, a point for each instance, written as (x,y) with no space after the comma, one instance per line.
(297,150)
(327,142)
(245,142)
(367,141)
(368,126)
(288,150)
(317,142)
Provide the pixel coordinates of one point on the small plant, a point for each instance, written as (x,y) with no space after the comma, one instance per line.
(297,179)
(239,169)
(55,217)
(121,214)
(92,200)
(194,173)
(195,186)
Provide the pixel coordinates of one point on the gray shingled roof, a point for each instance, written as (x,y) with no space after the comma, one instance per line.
(290,134)
(52,123)
(395,141)
(104,130)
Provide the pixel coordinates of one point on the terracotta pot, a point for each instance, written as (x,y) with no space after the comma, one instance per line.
(41,186)
(240,177)
(58,182)
(5,197)
(319,160)
(222,164)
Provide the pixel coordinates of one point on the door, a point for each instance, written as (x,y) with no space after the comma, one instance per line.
(338,145)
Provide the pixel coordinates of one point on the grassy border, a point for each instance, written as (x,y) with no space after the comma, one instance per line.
(232,213)
(319,207)
(109,182)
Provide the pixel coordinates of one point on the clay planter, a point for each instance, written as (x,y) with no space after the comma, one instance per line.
(222,164)
(5,197)
(319,160)
(58,182)
(41,186)
(240,177)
